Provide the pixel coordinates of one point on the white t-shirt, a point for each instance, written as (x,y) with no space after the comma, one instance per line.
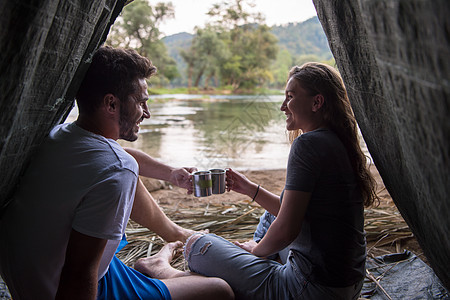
(77,180)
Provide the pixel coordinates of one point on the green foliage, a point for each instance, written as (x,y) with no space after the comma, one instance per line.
(280,67)
(304,38)
(175,44)
(300,43)
(166,91)
(204,56)
(330,62)
(235,49)
(137,28)
(297,43)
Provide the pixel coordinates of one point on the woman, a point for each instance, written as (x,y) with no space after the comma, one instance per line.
(316,226)
(318,231)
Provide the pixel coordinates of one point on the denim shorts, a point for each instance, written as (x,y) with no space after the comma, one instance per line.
(252,277)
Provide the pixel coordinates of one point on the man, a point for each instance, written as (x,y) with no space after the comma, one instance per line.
(60,234)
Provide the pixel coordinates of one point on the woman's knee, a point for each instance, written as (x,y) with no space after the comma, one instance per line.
(190,243)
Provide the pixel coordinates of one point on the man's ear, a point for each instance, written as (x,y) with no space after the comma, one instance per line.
(111,103)
(319,100)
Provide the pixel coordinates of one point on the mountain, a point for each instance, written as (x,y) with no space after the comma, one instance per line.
(305,38)
(176,42)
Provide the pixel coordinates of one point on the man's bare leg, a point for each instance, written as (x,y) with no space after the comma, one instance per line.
(148,213)
(198,287)
(182,285)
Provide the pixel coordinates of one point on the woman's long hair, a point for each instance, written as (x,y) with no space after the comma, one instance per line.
(338,116)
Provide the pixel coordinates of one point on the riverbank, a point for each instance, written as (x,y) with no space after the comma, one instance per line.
(233,215)
(213,91)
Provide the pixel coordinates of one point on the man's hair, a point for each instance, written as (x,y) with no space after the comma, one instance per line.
(112,71)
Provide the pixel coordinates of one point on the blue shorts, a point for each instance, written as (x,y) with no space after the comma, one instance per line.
(123,282)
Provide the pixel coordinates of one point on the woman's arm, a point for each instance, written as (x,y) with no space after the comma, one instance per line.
(241,184)
(286,226)
(268,200)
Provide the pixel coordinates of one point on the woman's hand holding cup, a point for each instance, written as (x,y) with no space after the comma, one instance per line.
(239,183)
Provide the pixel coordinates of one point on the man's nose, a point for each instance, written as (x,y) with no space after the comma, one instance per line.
(146,111)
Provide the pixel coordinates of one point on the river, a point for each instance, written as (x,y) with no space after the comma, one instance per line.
(241,132)
(214,131)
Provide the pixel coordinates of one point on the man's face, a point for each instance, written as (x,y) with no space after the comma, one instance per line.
(133,112)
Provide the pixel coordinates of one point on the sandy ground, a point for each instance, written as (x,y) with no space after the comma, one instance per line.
(273,180)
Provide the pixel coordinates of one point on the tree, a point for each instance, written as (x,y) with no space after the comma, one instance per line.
(280,68)
(233,14)
(257,48)
(137,28)
(237,46)
(203,57)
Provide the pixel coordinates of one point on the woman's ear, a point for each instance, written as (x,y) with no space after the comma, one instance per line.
(318,102)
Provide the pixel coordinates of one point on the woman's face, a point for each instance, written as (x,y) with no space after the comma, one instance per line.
(298,107)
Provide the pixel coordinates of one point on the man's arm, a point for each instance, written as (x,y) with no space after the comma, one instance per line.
(79,274)
(149,167)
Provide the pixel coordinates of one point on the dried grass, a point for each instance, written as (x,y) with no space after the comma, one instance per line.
(235,222)
(384,226)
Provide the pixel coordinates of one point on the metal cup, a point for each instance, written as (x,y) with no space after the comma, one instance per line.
(218,181)
(202,183)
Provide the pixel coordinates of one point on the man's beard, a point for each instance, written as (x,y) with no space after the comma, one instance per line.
(126,125)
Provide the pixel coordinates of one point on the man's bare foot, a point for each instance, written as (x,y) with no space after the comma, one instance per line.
(158,265)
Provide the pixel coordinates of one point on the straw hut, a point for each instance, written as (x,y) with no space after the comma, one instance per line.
(392,54)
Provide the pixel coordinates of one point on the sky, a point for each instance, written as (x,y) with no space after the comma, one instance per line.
(191,13)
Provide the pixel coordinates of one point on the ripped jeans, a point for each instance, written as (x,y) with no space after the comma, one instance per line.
(252,277)
(249,276)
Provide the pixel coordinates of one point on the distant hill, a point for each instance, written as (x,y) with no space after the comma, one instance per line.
(174,44)
(303,38)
